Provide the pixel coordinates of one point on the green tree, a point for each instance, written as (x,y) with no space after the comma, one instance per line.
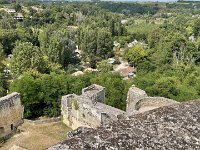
(25,57)
(2,57)
(196,27)
(67,54)
(18,7)
(136,55)
(8,39)
(104,43)
(41,93)
(2,75)
(166,87)
(59,47)
(31,95)
(2,90)
(103,66)
(115,89)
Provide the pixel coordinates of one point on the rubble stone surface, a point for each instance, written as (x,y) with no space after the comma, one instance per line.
(170,127)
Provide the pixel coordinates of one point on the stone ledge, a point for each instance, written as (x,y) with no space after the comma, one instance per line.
(50,120)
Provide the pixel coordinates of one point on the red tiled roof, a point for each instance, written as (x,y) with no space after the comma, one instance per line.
(125,71)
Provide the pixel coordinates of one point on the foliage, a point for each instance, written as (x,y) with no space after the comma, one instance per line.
(103,66)
(17,7)
(41,93)
(75,104)
(96,44)
(58,46)
(115,89)
(2,76)
(25,57)
(2,90)
(130,8)
(44,44)
(1,58)
(136,55)
(168,85)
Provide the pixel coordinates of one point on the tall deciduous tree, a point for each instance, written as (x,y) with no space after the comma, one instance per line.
(25,57)
(58,46)
(196,27)
(2,90)
(115,89)
(104,43)
(1,57)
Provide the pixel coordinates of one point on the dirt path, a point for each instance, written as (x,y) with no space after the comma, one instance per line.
(124,64)
(37,137)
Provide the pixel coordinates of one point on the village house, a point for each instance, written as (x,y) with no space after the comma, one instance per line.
(127,72)
(192,38)
(19,16)
(11,11)
(124,22)
(77,73)
(111,61)
(116,44)
(135,42)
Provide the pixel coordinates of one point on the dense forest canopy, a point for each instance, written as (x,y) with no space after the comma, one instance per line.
(43,44)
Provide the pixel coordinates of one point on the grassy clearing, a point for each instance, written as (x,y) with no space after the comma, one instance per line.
(38,137)
(141,28)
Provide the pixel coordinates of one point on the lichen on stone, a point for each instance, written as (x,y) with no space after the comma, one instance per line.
(169,127)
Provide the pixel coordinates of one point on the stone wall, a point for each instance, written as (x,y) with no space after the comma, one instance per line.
(94,92)
(134,95)
(81,115)
(50,120)
(149,103)
(175,127)
(86,109)
(146,124)
(11,114)
(138,101)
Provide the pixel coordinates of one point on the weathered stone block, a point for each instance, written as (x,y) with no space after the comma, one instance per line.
(11,114)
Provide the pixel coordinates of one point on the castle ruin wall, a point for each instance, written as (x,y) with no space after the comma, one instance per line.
(87,110)
(149,103)
(83,115)
(138,101)
(134,95)
(94,92)
(11,114)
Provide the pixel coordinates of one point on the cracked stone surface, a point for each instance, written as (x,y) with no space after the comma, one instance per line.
(169,127)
